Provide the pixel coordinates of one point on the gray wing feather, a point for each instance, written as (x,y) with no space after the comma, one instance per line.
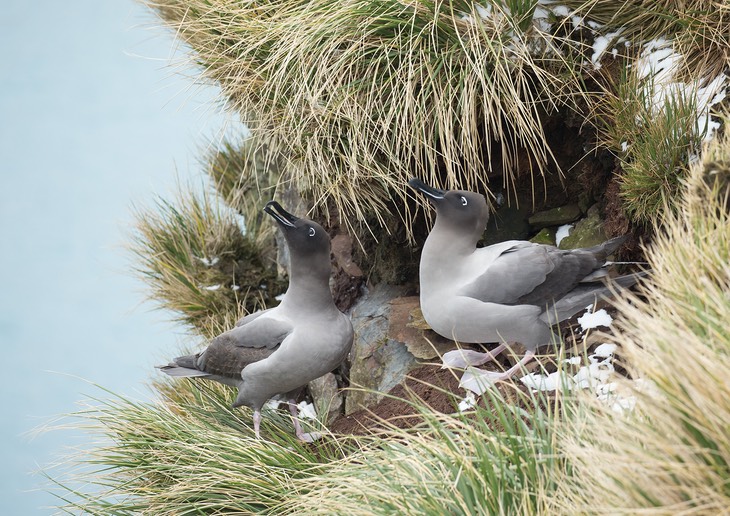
(533,274)
(256,339)
(512,275)
(221,359)
(261,332)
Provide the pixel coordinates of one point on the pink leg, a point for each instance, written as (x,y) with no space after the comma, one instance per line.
(529,355)
(257,423)
(479,381)
(307,438)
(463,358)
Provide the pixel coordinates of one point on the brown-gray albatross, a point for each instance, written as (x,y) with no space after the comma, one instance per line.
(279,350)
(513,291)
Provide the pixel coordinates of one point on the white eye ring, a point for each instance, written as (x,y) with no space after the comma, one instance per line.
(464,202)
(311,232)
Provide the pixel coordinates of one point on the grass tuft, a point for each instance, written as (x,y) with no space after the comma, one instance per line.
(672,454)
(359,96)
(245,176)
(700,28)
(200,265)
(656,127)
(189,454)
(496,459)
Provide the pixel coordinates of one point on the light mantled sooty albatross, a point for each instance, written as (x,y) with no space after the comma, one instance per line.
(513,291)
(279,350)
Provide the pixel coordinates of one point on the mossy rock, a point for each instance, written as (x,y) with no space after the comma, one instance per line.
(546,236)
(587,232)
(555,217)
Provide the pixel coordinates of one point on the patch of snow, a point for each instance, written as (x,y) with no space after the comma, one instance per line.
(624,146)
(659,63)
(573,360)
(306,410)
(272,404)
(577,21)
(600,44)
(562,232)
(280,297)
(561,10)
(594,374)
(658,59)
(595,319)
(485,11)
(212,287)
(550,382)
(235,287)
(468,403)
(605,350)
(208,262)
(540,18)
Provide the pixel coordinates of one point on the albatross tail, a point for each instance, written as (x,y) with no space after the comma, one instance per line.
(183,367)
(586,294)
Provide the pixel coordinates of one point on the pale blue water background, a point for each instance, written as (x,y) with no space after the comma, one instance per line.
(89,124)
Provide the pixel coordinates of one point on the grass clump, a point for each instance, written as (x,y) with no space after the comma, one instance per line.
(655,130)
(200,265)
(245,176)
(496,459)
(700,28)
(189,454)
(672,454)
(192,454)
(654,114)
(360,96)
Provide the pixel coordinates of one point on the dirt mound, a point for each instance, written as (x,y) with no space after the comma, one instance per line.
(435,387)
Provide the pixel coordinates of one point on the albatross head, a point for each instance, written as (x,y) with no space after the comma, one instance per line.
(460,211)
(304,237)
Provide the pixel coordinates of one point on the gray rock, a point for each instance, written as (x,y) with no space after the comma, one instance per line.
(407,325)
(378,362)
(555,217)
(327,398)
(587,232)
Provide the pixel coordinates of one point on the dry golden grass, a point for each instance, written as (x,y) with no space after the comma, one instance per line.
(246,176)
(672,454)
(700,28)
(359,96)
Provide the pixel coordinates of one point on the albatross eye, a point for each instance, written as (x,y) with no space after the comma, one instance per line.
(464,202)
(311,232)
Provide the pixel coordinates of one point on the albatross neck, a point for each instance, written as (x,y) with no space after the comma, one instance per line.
(309,287)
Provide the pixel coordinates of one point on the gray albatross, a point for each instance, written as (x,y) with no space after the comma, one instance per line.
(279,350)
(513,291)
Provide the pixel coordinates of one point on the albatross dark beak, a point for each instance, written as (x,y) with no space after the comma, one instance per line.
(432,193)
(281,216)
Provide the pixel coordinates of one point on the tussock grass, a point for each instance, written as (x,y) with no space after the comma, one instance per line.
(189,454)
(358,96)
(701,28)
(245,176)
(198,263)
(672,455)
(655,137)
(497,459)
